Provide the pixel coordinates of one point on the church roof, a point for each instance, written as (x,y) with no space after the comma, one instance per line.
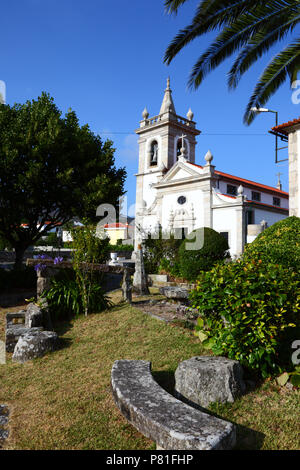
(239,180)
(282,128)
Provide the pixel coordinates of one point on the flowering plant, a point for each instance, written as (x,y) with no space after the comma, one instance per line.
(41,266)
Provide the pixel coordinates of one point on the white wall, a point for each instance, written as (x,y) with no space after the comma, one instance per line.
(270,217)
(224,220)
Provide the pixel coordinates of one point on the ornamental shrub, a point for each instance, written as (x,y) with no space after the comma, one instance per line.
(160,248)
(249,311)
(65,298)
(88,249)
(279,243)
(212,247)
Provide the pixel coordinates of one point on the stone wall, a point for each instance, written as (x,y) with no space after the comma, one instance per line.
(9,256)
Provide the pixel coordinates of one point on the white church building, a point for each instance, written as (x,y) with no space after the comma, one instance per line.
(178,195)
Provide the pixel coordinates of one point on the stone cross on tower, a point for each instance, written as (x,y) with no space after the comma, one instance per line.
(279,185)
(182,150)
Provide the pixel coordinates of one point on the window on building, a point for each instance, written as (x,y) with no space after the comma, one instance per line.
(179,145)
(276,201)
(181,200)
(154,153)
(249,217)
(232,190)
(256,196)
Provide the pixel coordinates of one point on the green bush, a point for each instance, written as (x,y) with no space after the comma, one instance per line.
(279,243)
(193,261)
(161,251)
(249,311)
(120,247)
(65,299)
(50,240)
(4,244)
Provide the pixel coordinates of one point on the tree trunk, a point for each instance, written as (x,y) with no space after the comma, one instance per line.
(19,258)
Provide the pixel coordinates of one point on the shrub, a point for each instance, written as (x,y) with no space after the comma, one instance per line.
(4,244)
(65,299)
(193,261)
(120,247)
(160,247)
(249,311)
(88,249)
(279,243)
(50,240)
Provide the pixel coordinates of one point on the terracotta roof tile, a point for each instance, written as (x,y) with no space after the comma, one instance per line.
(282,127)
(248,182)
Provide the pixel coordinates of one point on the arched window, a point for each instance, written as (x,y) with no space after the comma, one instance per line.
(179,145)
(154,153)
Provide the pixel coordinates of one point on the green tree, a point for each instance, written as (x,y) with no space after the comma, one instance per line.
(51,170)
(247,28)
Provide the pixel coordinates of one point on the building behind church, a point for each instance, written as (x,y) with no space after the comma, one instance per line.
(177,195)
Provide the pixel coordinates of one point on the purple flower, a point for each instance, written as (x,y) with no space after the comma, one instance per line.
(45,257)
(58,259)
(39,267)
(42,257)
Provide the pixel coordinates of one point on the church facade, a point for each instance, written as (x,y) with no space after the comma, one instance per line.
(177,195)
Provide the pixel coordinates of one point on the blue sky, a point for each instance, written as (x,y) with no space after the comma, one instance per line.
(105,61)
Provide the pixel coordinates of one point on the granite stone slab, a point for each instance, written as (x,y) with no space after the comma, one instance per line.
(172,424)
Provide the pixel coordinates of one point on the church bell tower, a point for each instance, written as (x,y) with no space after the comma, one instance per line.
(161,140)
(160,137)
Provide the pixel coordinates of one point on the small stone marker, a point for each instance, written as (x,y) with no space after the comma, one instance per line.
(140,284)
(126,286)
(208,379)
(175,292)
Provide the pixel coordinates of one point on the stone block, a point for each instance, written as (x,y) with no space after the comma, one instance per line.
(172,424)
(14,333)
(208,379)
(34,344)
(33,316)
(175,292)
(15,318)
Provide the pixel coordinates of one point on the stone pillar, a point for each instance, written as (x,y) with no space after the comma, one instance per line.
(140,284)
(44,280)
(127,287)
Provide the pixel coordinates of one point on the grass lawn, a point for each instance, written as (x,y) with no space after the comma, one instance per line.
(63,400)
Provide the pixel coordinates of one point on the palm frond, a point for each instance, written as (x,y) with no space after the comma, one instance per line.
(260,43)
(232,38)
(276,72)
(250,28)
(206,19)
(171,6)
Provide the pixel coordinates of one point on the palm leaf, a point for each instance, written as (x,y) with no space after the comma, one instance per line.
(172,6)
(249,28)
(260,44)
(283,65)
(206,19)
